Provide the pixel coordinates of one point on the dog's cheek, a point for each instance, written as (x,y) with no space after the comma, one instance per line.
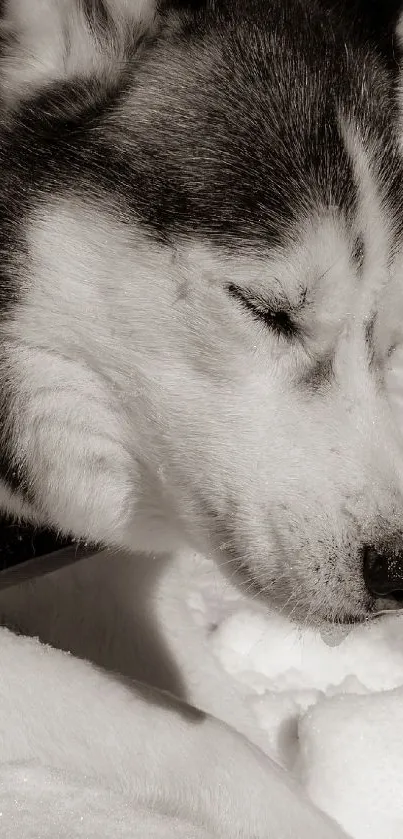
(70,443)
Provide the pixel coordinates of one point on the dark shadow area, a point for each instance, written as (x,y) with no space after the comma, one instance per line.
(102,609)
(20,543)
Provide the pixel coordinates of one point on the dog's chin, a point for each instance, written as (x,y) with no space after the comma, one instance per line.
(281,599)
(297,603)
(321,620)
(325,621)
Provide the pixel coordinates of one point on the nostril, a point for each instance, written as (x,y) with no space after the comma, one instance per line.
(383,572)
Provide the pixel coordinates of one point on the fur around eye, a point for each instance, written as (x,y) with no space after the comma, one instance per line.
(277,319)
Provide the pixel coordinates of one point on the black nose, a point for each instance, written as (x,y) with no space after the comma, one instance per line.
(383,572)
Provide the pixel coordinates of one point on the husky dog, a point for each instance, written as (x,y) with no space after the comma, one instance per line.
(201,287)
(200,275)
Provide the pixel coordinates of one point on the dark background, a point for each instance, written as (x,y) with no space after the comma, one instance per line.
(19,543)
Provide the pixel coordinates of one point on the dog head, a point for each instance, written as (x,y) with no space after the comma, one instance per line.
(202,292)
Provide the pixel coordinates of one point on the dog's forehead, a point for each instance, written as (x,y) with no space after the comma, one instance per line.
(322,256)
(232,131)
(247,150)
(249,138)
(252,137)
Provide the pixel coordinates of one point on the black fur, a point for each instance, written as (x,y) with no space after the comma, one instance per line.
(238,139)
(96,13)
(248,142)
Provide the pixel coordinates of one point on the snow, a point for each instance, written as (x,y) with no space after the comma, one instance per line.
(41,803)
(281,656)
(328,708)
(36,798)
(332,715)
(351,761)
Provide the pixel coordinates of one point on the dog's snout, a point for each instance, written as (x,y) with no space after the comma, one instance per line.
(383,572)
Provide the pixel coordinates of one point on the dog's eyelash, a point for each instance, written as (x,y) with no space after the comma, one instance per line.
(358,251)
(274,314)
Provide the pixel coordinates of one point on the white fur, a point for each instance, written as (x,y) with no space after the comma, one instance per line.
(112,347)
(151,409)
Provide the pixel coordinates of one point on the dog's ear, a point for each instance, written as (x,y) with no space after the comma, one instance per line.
(44,42)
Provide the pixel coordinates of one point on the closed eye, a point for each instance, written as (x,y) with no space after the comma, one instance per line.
(278,316)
